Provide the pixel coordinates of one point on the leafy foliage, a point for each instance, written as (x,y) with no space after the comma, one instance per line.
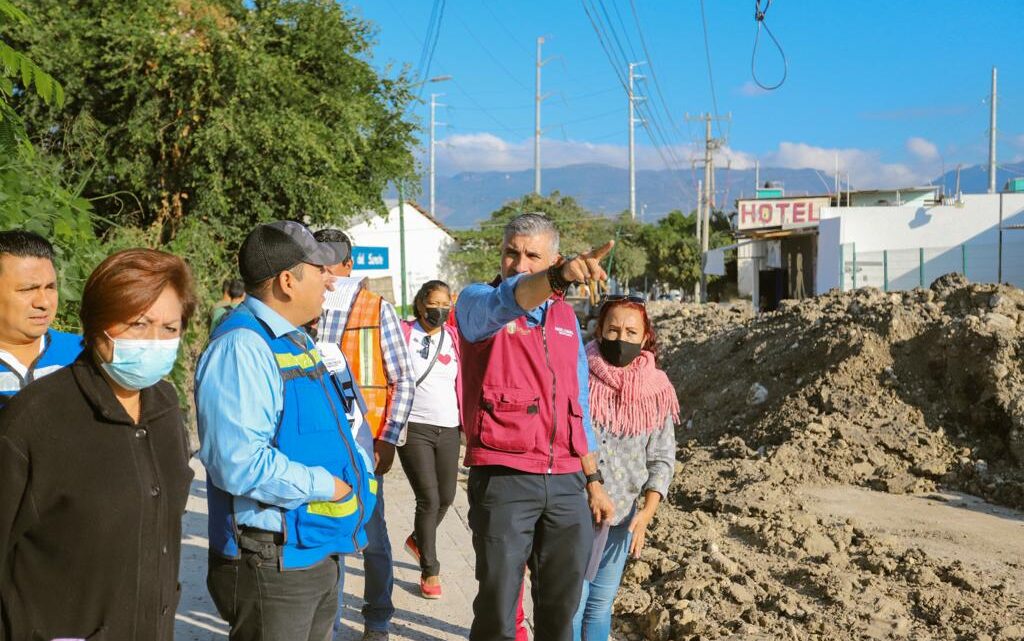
(18,74)
(478,254)
(673,252)
(224,110)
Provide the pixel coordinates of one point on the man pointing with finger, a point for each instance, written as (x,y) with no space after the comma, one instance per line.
(534,487)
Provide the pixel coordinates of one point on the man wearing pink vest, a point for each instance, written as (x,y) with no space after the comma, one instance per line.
(534,488)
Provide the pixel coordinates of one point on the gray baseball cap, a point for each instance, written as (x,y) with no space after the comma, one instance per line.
(274,247)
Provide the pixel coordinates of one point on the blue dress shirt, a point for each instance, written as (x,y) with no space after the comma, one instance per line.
(483,310)
(239,400)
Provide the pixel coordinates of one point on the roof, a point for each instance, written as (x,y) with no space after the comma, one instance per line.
(393,202)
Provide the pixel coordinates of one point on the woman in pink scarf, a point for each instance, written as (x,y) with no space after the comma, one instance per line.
(635,411)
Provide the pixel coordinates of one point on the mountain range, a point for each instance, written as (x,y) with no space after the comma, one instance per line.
(468,197)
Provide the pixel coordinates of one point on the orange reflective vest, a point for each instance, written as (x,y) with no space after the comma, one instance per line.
(361,344)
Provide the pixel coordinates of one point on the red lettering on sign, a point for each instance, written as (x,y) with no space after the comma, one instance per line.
(747,213)
(782,207)
(765,213)
(800,212)
(815,215)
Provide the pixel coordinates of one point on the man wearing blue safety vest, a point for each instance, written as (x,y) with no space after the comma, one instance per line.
(289,491)
(29,349)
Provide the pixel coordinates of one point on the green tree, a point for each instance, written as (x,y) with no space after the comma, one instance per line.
(19,74)
(231,111)
(478,252)
(673,253)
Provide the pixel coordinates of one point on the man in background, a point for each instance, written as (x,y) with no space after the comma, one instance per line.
(233,294)
(29,349)
(367,330)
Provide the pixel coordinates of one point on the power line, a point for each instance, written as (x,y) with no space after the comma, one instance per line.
(650,65)
(496,60)
(711,78)
(656,142)
(430,43)
(616,67)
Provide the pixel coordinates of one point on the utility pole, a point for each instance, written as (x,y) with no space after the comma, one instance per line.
(992,138)
(709,171)
(538,98)
(837,179)
(707,195)
(700,236)
(632,138)
(433,123)
(757,176)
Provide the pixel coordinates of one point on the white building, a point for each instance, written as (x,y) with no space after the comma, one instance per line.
(792,247)
(377,252)
(901,247)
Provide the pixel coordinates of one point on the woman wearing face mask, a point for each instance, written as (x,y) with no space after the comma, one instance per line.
(430,456)
(635,411)
(94,470)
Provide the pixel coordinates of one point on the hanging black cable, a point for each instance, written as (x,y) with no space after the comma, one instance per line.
(759,15)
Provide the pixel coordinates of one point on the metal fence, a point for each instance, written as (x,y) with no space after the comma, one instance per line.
(902,269)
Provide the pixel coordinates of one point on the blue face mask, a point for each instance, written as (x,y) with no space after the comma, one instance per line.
(141,363)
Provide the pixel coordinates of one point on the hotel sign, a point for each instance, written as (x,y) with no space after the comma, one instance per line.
(780,213)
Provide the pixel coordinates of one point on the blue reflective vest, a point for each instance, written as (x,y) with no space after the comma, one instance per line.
(312,430)
(60,350)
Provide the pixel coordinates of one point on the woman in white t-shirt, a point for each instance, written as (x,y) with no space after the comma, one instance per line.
(430,456)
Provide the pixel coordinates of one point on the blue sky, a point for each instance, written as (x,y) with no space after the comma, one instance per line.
(898,88)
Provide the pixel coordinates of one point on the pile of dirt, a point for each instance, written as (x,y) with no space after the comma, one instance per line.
(914,393)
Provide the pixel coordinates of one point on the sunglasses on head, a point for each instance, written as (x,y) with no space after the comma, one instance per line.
(629,298)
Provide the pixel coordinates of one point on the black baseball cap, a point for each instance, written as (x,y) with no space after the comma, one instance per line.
(274,247)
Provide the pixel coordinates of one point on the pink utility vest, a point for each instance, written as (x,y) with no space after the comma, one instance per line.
(520,396)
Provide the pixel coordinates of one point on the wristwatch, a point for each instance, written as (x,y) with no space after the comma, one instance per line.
(556,281)
(596,476)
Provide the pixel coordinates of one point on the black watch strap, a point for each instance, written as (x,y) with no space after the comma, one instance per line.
(558,282)
(596,476)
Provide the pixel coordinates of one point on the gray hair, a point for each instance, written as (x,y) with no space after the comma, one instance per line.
(532,224)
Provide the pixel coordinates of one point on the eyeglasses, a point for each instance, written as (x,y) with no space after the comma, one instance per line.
(629,298)
(425,350)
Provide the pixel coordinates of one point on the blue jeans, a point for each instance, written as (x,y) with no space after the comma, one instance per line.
(379,575)
(379,571)
(593,619)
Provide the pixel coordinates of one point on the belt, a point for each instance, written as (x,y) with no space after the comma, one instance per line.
(263,536)
(265,544)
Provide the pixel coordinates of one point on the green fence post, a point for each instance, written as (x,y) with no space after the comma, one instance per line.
(920,269)
(842,269)
(963,259)
(855,265)
(885,270)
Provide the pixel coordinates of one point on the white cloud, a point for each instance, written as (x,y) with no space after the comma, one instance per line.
(923,149)
(750,89)
(487,152)
(866,168)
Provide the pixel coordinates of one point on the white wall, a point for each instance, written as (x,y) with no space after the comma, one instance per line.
(425,248)
(875,229)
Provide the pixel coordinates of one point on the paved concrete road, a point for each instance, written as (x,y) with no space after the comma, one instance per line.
(416,619)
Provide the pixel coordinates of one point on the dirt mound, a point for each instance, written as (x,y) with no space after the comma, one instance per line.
(899,393)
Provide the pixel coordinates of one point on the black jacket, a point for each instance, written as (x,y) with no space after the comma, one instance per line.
(90,510)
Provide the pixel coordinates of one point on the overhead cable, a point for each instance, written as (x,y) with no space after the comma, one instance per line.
(759,15)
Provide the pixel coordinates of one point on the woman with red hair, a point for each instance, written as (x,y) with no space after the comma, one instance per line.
(94,470)
(635,411)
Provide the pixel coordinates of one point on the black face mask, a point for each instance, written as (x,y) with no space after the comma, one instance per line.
(436,316)
(619,353)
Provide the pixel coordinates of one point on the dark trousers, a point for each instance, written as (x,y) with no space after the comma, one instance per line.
(262,603)
(430,458)
(520,519)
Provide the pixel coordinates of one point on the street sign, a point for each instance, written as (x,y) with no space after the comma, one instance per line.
(369,258)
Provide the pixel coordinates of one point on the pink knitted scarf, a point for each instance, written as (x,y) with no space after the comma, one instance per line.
(631,400)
